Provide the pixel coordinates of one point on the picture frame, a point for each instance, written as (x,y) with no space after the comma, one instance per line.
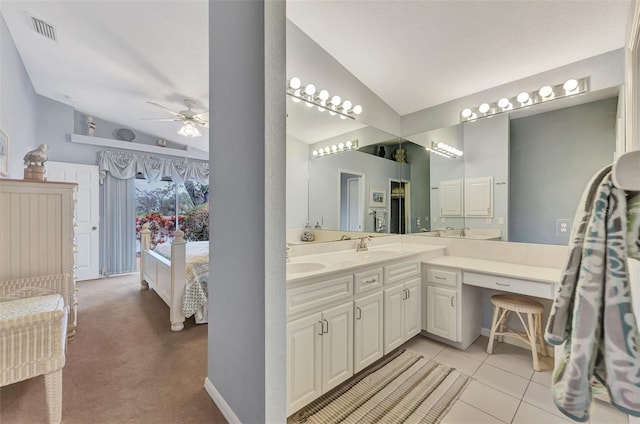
(377,197)
(4,154)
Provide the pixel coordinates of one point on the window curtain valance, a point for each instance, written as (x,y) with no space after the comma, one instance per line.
(125,165)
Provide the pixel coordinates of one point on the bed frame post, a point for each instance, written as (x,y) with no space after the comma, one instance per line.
(178,265)
(145,244)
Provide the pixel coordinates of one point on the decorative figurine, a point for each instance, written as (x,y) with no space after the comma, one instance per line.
(400,156)
(91,125)
(34,161)
(307,233)
(381,151)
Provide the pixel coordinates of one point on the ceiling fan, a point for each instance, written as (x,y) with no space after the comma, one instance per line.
(191,119)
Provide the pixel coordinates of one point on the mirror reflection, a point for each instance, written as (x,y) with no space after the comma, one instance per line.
(518,178)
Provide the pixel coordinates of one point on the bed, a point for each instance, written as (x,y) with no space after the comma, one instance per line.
(179,273)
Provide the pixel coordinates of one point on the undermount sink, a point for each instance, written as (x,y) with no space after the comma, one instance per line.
(298,267)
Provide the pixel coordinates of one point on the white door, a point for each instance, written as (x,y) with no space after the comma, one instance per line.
(87,236)
(393,318)
(412,309)
(337,345)
(304,350)
(441,312)
(368,343)
(353,196)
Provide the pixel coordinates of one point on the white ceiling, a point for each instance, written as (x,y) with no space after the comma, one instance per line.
(112,56)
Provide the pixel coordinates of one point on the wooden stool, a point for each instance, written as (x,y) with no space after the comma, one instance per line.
(503,305)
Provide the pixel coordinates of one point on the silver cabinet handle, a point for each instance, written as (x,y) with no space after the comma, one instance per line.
(321,329)
(327,330)
(440,278)
(373,280)
(503,284)
(359,315)
(452,305)
(408,293)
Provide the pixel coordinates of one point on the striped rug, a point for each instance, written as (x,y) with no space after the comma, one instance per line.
(401,388)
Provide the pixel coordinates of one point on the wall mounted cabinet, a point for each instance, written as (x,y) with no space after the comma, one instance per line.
(450,198)
(478,197)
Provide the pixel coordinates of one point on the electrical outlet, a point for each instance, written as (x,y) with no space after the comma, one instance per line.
(501,220)
(563,227)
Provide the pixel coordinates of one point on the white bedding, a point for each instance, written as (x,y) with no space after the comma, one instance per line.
(196,275)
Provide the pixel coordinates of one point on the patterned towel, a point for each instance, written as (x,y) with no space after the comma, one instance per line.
(592,309)
(633,226)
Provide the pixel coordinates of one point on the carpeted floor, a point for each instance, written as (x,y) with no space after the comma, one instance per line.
(124,365)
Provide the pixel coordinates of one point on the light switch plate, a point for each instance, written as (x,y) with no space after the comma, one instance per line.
(501,220)
(563,227)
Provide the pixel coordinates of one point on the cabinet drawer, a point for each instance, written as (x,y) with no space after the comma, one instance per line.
(368,280)
(526,287)
(302,298)
(445,278)
(401,272)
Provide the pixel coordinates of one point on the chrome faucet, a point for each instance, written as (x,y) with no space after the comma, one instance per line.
(463,231)
(287,253)
(345,237)
(362,246)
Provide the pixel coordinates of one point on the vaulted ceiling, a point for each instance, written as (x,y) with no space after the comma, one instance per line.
(111,57)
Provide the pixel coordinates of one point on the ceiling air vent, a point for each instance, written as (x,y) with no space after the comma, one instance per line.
(44,29)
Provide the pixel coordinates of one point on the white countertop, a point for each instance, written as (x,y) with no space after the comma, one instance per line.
(525,272)
(345,260)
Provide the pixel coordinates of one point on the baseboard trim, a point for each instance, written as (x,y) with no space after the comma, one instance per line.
(217,398)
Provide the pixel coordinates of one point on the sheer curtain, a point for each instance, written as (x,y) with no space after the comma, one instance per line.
(117,173)
(119,226)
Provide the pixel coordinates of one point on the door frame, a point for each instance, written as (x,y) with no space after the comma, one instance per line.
(407,203)
(362,197)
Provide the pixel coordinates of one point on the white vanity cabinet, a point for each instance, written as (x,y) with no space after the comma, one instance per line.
(401,304)
(452,309)
(368,342)
(319,354)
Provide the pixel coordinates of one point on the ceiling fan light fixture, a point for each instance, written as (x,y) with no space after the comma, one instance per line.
(189,129)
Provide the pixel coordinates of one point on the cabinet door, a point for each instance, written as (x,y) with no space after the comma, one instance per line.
(451,198)
(412,309)
(393,318)
(337,345)
(368,342)
(304,350)
(478,196)
(441,312)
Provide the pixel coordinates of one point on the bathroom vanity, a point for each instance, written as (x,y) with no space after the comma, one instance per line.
(347,309)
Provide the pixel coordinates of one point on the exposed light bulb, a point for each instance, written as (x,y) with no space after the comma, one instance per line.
(315,153)
(466,113)
(296,93)
(295,83)
(523,97)
(349,144)
(570,85)
(484,107)
(346,105)
(343,117)
(504,103)
(545,91)
(310,89)
(327,149)
(357,109)
(335,100)
(334,148)
(341,146)
(323,95)
(332,113)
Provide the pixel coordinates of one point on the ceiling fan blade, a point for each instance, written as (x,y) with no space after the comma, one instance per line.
(165,108)
(162,119)
(198,115)
(204,124)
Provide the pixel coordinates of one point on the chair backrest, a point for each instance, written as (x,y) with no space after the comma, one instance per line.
(36,286)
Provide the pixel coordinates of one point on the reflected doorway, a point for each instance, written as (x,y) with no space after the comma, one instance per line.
(399,220)
(351,200)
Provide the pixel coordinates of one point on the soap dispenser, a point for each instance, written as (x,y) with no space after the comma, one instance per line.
(307,233)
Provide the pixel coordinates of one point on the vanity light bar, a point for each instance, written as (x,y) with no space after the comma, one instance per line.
(571,87)
(336,148)
(445,150)
(321,99)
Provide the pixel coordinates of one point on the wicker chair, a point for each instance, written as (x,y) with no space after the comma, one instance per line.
(33,336)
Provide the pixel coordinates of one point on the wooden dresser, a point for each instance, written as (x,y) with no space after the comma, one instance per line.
(37,233)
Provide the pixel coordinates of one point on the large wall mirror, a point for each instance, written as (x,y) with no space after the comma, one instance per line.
(519,178)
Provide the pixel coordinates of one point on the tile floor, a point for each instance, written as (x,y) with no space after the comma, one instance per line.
(504,388)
